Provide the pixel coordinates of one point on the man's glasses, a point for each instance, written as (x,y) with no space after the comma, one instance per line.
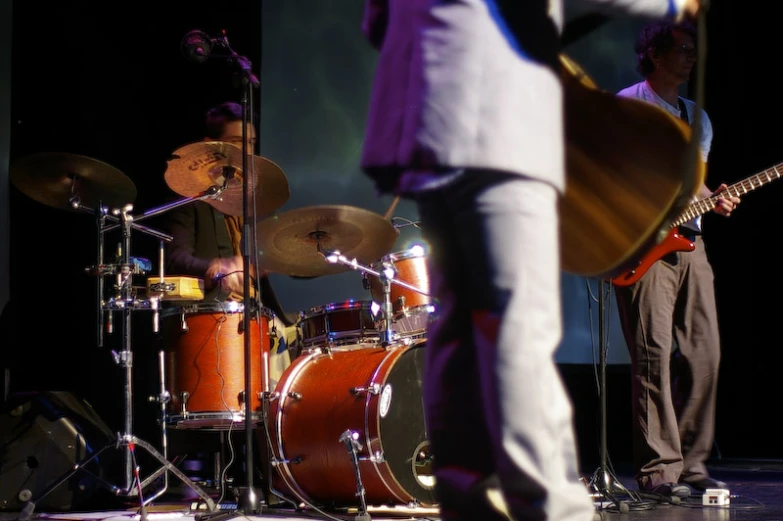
(686,50)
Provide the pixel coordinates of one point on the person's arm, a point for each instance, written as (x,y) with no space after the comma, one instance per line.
(181,256)
(183,253)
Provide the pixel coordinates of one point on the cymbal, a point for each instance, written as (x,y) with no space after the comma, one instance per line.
(195,168)
(289,242)
(54,178)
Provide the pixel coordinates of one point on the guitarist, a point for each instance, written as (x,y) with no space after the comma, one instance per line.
(669,317)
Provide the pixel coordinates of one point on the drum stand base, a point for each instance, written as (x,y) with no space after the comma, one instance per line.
(353,445)
(130,443)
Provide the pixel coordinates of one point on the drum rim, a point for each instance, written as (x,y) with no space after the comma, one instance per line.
(227,308)
(337,306)
(400,255)
(371,433)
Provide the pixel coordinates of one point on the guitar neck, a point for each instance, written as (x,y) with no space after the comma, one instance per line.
(737,189)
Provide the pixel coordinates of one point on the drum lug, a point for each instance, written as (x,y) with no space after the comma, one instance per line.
(269,396)
(401,304)
(296,461)
(377,457)
(184,397)
(372,389)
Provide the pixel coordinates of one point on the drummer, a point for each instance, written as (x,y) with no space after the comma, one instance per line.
(206,242)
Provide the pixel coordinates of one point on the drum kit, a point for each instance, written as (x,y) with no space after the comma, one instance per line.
(349,405)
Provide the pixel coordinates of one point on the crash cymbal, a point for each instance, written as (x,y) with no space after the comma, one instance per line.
(56,179)
(289,242)
(195,168)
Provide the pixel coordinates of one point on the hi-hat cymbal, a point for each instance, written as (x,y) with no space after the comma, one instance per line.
(66,181)
(290,242)
(195,168)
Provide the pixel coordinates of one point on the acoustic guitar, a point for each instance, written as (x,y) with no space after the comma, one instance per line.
(674,242)
(630,170)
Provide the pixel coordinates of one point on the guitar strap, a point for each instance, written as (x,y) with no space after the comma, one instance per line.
(683,110)
(686,230)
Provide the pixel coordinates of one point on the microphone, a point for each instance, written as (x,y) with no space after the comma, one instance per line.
(196,46)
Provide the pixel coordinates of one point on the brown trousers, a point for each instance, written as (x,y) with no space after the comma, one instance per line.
(669,321)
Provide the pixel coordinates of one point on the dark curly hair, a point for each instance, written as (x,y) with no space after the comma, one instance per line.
(657,36)
(219,115)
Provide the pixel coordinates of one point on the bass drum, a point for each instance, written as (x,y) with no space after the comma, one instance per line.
(375,394)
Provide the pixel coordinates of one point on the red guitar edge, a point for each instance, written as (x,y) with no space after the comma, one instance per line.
(673,242)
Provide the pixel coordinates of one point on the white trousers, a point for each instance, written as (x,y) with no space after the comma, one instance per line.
(495,406)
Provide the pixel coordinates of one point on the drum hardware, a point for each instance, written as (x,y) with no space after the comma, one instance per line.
(292,242)
(353,445)
(406,222)
(373,389)
(411,310)
(184,396)
(268,396)
(386,276)
(125,304)
(163,398)
(137,266)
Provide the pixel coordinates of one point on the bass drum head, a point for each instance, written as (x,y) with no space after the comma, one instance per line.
(404,434)
(374,393)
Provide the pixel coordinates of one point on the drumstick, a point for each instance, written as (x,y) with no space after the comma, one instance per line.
(392,206)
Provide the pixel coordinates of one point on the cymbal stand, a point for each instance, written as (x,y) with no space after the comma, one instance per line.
(126,304)
(386,277)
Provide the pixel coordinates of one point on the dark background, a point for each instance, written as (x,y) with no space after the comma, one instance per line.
(109,81)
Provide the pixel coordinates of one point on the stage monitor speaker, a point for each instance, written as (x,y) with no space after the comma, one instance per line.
(43,435)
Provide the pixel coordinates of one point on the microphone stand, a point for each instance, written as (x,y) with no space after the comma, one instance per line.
(248,502)
(604,483)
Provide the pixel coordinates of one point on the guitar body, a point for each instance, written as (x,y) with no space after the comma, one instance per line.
(630,170)
(673,242)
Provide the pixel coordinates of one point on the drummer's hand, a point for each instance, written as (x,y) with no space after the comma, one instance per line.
(229,272)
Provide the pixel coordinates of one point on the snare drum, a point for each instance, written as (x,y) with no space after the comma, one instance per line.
(339,324)
(205,364)
(376,394)
(411,309)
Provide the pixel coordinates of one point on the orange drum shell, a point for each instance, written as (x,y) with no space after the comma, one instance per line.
(412,270)
(309,424)
(208,361)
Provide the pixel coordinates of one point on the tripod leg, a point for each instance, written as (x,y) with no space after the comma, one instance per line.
(167,465)
(27,511)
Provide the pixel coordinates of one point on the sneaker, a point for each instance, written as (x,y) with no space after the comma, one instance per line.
(704,483)
(670,490)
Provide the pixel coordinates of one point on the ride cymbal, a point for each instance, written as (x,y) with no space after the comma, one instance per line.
(291,242)
(197,167)
(67,181)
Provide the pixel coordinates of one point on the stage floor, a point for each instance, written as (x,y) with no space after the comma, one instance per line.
(756,493)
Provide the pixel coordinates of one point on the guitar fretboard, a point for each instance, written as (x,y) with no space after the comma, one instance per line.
(737,189)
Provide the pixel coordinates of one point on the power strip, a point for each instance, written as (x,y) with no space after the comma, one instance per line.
(716,497)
